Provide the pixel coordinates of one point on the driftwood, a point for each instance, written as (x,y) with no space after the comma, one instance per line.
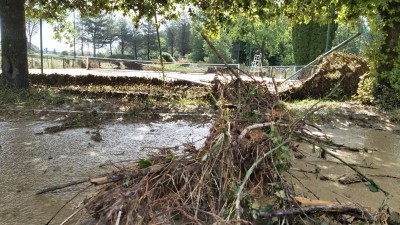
(103,179)
(58,187)
(342,209)
(305,202)
(251,127)
(345,180)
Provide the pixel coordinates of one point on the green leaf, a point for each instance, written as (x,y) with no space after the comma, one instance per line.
(280,194)
(204,158)
(373,187)
(285,148)
(170,156)
(127,181)
(254,214)
(144,164)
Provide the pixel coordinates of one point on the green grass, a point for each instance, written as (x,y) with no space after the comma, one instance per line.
(184,68)
(30,97)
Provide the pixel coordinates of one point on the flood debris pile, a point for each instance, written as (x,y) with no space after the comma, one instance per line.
(95,86)
(234,178)
(336,67)
(59,80)
(219,182)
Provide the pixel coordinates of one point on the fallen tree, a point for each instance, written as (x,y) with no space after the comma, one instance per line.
(336,67)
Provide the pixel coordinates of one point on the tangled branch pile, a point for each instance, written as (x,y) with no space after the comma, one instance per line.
(225,181)
(239,162)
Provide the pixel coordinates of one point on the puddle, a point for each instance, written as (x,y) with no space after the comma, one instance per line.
(29,162)
(385,161)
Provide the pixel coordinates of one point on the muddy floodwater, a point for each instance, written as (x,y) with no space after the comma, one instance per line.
(379,159)
(31,161)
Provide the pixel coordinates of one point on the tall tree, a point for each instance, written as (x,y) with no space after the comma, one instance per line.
(171,34)
(32,28)
(309,41)
(224,45)
(183,35)
(82,36)
(135,41)
(111,32)
(272,39)
(96,29)
(150,37)
(196,41)
(124,34)
(14,43)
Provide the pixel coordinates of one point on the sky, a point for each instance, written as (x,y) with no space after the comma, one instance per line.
(48,41)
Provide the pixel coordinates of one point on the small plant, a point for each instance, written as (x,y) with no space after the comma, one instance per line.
(167,57)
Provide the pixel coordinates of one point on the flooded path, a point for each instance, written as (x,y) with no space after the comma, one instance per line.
(29,162)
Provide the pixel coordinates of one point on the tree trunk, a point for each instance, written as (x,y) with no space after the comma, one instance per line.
(14,43)
(390,47)
(148,48)
(136,52)
(111,53)
(82,47)
(94,47)
(172,46)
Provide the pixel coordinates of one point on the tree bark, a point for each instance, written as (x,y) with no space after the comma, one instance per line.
(14,43)
(391,29)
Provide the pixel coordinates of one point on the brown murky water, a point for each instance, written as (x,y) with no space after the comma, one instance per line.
(385,161)
(29,162)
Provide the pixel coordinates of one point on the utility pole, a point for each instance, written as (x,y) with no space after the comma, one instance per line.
(41,45)
(73,61)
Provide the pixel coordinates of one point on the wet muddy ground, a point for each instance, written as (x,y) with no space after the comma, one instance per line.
(379,159)
(31,161)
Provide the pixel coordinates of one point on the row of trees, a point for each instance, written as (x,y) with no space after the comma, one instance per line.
(123,37)
(218,17)
(181,38)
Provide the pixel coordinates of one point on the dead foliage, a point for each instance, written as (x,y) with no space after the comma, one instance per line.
(227,181)
(72,121)
(57,80)
(211,184)
(335,67)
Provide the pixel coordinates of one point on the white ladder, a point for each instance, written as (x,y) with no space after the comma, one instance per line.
(256,65)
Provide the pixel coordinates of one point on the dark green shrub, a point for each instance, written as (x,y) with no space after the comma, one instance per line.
(167,57)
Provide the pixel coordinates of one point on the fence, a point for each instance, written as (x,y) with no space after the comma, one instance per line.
(283,72)
(57,62)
